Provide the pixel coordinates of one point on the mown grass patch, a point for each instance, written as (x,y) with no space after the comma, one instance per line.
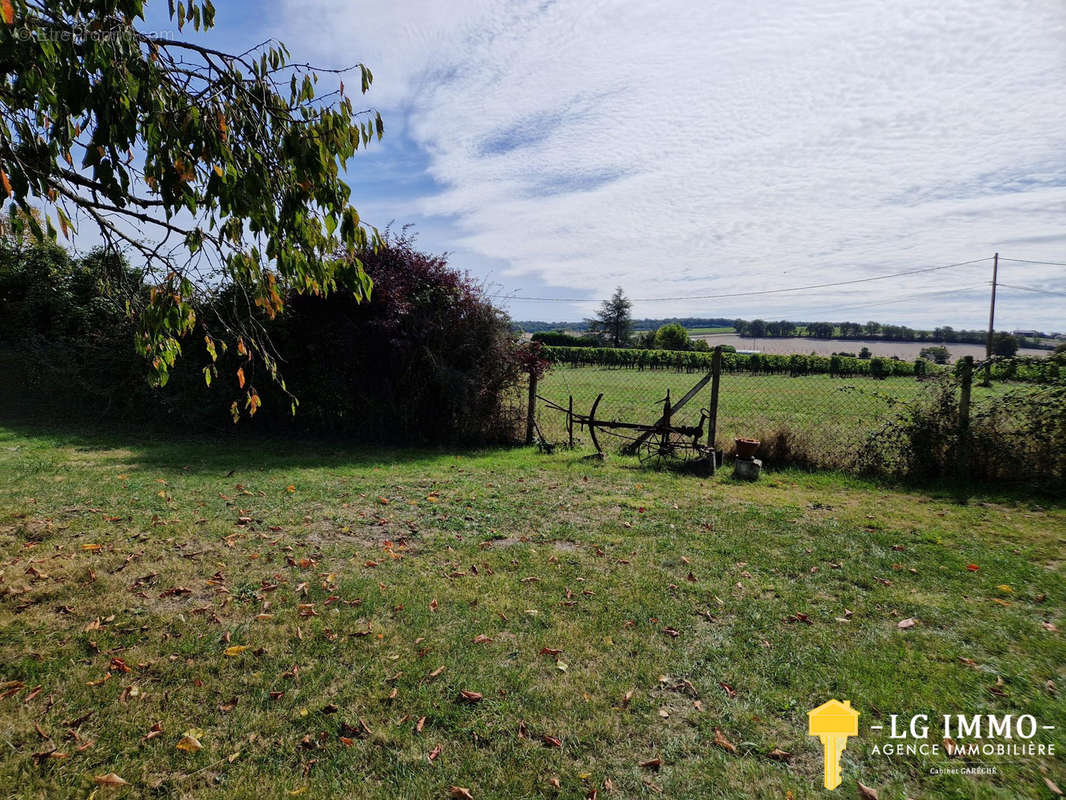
(311,616)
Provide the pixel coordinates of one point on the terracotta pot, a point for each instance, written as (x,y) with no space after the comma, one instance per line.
(746,447)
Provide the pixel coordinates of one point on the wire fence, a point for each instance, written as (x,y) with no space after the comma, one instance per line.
(811,419)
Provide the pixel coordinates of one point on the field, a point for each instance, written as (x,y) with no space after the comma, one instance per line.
(210,619)
(831,414)
(908,351)
(708,331)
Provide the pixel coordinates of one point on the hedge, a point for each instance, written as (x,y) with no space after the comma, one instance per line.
(1029,370)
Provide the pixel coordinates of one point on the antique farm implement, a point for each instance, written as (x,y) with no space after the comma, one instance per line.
(659,444)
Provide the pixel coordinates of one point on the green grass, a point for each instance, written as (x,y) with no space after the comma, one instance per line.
(705,331)
(832,415)
(353,575)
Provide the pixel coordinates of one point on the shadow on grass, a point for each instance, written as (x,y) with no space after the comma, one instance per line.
(154,444)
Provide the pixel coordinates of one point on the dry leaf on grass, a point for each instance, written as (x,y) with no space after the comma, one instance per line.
(866,793)
(724,743)
(110,779)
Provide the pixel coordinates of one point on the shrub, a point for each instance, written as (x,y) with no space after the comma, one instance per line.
(673,337)
(1018,438)
(68,337)
(564,339)
(426,359)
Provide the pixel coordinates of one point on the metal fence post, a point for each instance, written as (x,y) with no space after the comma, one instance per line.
(712,418)
(531,406)
(570,423)
(965,385)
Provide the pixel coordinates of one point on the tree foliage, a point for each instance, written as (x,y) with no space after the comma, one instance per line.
(672,337)
(614,320)
(213,167)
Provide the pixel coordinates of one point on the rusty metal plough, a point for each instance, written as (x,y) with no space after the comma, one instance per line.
(661,444)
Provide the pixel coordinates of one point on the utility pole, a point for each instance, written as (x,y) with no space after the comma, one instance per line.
(991,322)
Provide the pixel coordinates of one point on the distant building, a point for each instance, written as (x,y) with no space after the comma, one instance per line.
(1029,334)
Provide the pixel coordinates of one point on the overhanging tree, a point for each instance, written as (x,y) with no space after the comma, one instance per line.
(214,167)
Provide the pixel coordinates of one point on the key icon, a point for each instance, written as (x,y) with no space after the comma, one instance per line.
(833,722)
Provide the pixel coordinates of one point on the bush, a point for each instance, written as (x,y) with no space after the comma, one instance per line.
(426,359)
(69,340)
(673,337)
(1018,438)
(564,339)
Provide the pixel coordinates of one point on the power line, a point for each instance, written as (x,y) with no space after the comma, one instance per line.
(1027,261)
(1032,289)
(901,299)
(757,293)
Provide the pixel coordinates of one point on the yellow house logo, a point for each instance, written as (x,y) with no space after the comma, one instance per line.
(833,722)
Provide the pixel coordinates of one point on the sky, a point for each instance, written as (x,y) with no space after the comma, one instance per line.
(689,150)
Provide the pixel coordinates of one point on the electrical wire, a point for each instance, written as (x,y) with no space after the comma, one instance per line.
(1031,289)
(760,292)
(1027,261)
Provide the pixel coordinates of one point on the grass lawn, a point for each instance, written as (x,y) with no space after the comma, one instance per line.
(273,619)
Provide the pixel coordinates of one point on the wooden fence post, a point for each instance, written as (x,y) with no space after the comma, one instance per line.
(965,385)
(712,418)
(531,406)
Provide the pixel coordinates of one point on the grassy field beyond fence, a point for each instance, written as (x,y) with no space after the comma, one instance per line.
(827,416)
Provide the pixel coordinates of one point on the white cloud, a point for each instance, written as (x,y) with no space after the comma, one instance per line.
(683,148)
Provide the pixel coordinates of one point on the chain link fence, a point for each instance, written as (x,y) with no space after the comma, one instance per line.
(801,415)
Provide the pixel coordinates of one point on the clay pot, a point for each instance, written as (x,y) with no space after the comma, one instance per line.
(746,447)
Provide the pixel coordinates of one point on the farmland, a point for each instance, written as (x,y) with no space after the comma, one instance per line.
(908,351)
(253,619)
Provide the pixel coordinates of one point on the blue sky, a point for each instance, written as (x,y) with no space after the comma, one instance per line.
(682,149)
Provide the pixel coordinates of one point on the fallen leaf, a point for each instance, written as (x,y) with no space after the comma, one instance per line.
(866,793)
(236,650)
(724,743)
(652,763)
(470,697)
(110,779)
(777,754)
(906,623)
(460,793)
(190,744)
(1053,786)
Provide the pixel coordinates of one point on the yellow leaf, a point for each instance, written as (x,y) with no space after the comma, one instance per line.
(1005,588)
(92,547)
(290,488)
(240,376)
(218,170)
(295,792)
(190,744)
(8,12)
(5,181)
(236,650)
